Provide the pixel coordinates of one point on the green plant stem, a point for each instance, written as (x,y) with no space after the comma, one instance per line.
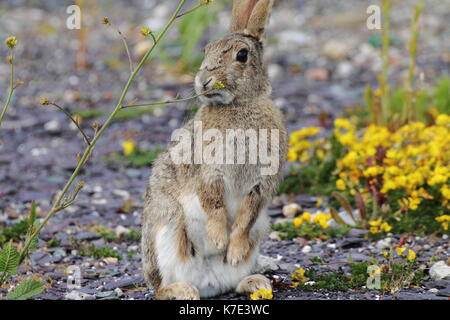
(408,110)
(124,41)
(166,101)
(192,10)
(11,91)
(57,204)
(386,5)
(67,113)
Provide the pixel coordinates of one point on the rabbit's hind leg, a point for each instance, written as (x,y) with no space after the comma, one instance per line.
(178,291)
(253,283)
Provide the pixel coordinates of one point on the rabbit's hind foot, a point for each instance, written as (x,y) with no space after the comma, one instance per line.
(253,283)
(178,291)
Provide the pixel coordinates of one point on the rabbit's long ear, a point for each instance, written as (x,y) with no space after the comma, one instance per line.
(250,16)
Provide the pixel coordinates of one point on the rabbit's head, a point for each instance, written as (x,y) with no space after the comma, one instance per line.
(233,70)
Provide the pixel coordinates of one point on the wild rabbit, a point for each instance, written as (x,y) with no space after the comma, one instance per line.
(203,220)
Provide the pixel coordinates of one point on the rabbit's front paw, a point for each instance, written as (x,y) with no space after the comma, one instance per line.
(238,250)
(218,236)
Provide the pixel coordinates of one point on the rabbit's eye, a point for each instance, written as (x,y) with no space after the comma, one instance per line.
(242,55)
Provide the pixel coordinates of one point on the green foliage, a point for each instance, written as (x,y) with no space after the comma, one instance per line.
(421,221)
(441,95)
(9,261)
(109,235)
(141,158)
(288,231)
(133,235)
(14,232)
(25,290)
(53,242)
(98,253)
(316,177)
(138,158)
(336,280)
(192,29)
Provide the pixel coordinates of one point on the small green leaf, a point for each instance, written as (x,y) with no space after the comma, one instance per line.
(344,202)
(9,259)
(33,243)
(32,218)
(25,290)
(336,217)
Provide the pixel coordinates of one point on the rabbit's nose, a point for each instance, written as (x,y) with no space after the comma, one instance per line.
(207,82)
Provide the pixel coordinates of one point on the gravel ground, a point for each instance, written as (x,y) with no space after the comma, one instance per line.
(39,147)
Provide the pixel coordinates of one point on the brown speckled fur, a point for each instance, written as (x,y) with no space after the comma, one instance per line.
(251,108)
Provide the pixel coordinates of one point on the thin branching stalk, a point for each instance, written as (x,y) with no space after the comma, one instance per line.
(59,204)
(11,87)
(125,44)
(386,8)
(408,109)
(75,122)
(203,3)
(149,104)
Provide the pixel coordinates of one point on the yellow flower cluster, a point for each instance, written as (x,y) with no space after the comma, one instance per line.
(11,42)
(262,294)
(410,159)
(378,226)
(298,277)
(411,255)
(301,149)
(128,147)
(320,219)
(444,220)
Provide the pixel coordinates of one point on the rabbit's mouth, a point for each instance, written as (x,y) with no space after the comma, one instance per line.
(212,95)
(221,97)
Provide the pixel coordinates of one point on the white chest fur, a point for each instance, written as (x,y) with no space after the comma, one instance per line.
(207,270)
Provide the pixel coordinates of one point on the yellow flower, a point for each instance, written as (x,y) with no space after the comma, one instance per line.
(400,251)
(443,119)
(292,155)
(341,123)
(218,85)
(372,171)
(444,220)
(385,227)
(262,294)
(145,31)
(340,184)
(322,219)
(386,254)
(298,222)
(304,156)
(411,255)
(374,230)
(378,92)
(299,276)
(11,42)
(445,190)
(375,223)
(306,216)
(375,272)
(44,101)
(128,147)
(413,203)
